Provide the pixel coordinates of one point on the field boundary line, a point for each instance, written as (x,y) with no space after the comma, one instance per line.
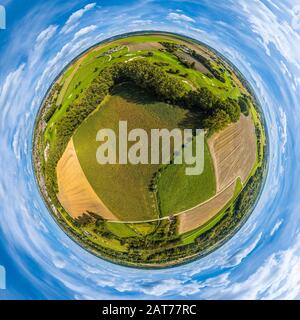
(180,213)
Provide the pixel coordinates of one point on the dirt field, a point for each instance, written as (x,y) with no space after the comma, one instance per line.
(75,193)
(201,50)
(139,46)
(198,216)
(198,66)
(234,152)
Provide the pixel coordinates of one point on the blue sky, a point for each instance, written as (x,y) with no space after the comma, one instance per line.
(41,262)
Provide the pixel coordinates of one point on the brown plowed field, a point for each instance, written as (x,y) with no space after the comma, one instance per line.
(198,216)
(234,152)
(139,46)
(75,193)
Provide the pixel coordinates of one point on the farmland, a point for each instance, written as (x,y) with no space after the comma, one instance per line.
(234,152)
(75,193)
(124,198)
(150,215)
(178,192)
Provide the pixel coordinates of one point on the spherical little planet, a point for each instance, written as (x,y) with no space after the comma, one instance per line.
(150,150)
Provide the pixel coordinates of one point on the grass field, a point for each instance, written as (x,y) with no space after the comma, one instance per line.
(124,189)
(121,230)
(178,192)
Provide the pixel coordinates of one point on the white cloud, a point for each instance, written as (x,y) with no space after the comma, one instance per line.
(72,22)
(272,31)
(179,17)
(163,287)
(84,31)
(276,227)
(141,22)
(67,52)
(245,252)
(274,276)
(277,278)
(46,34)
(198,30)
(9,90)
(40,43)
(283,129)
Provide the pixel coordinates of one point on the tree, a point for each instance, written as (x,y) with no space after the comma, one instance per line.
(217,121)
(231,107)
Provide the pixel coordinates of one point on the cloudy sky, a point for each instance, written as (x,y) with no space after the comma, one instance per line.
(261,38)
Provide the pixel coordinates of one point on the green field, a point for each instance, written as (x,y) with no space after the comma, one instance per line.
(130,198)
(121,230)
(178,192)
(124,188)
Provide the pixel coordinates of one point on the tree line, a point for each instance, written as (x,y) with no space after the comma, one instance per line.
(214,112)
